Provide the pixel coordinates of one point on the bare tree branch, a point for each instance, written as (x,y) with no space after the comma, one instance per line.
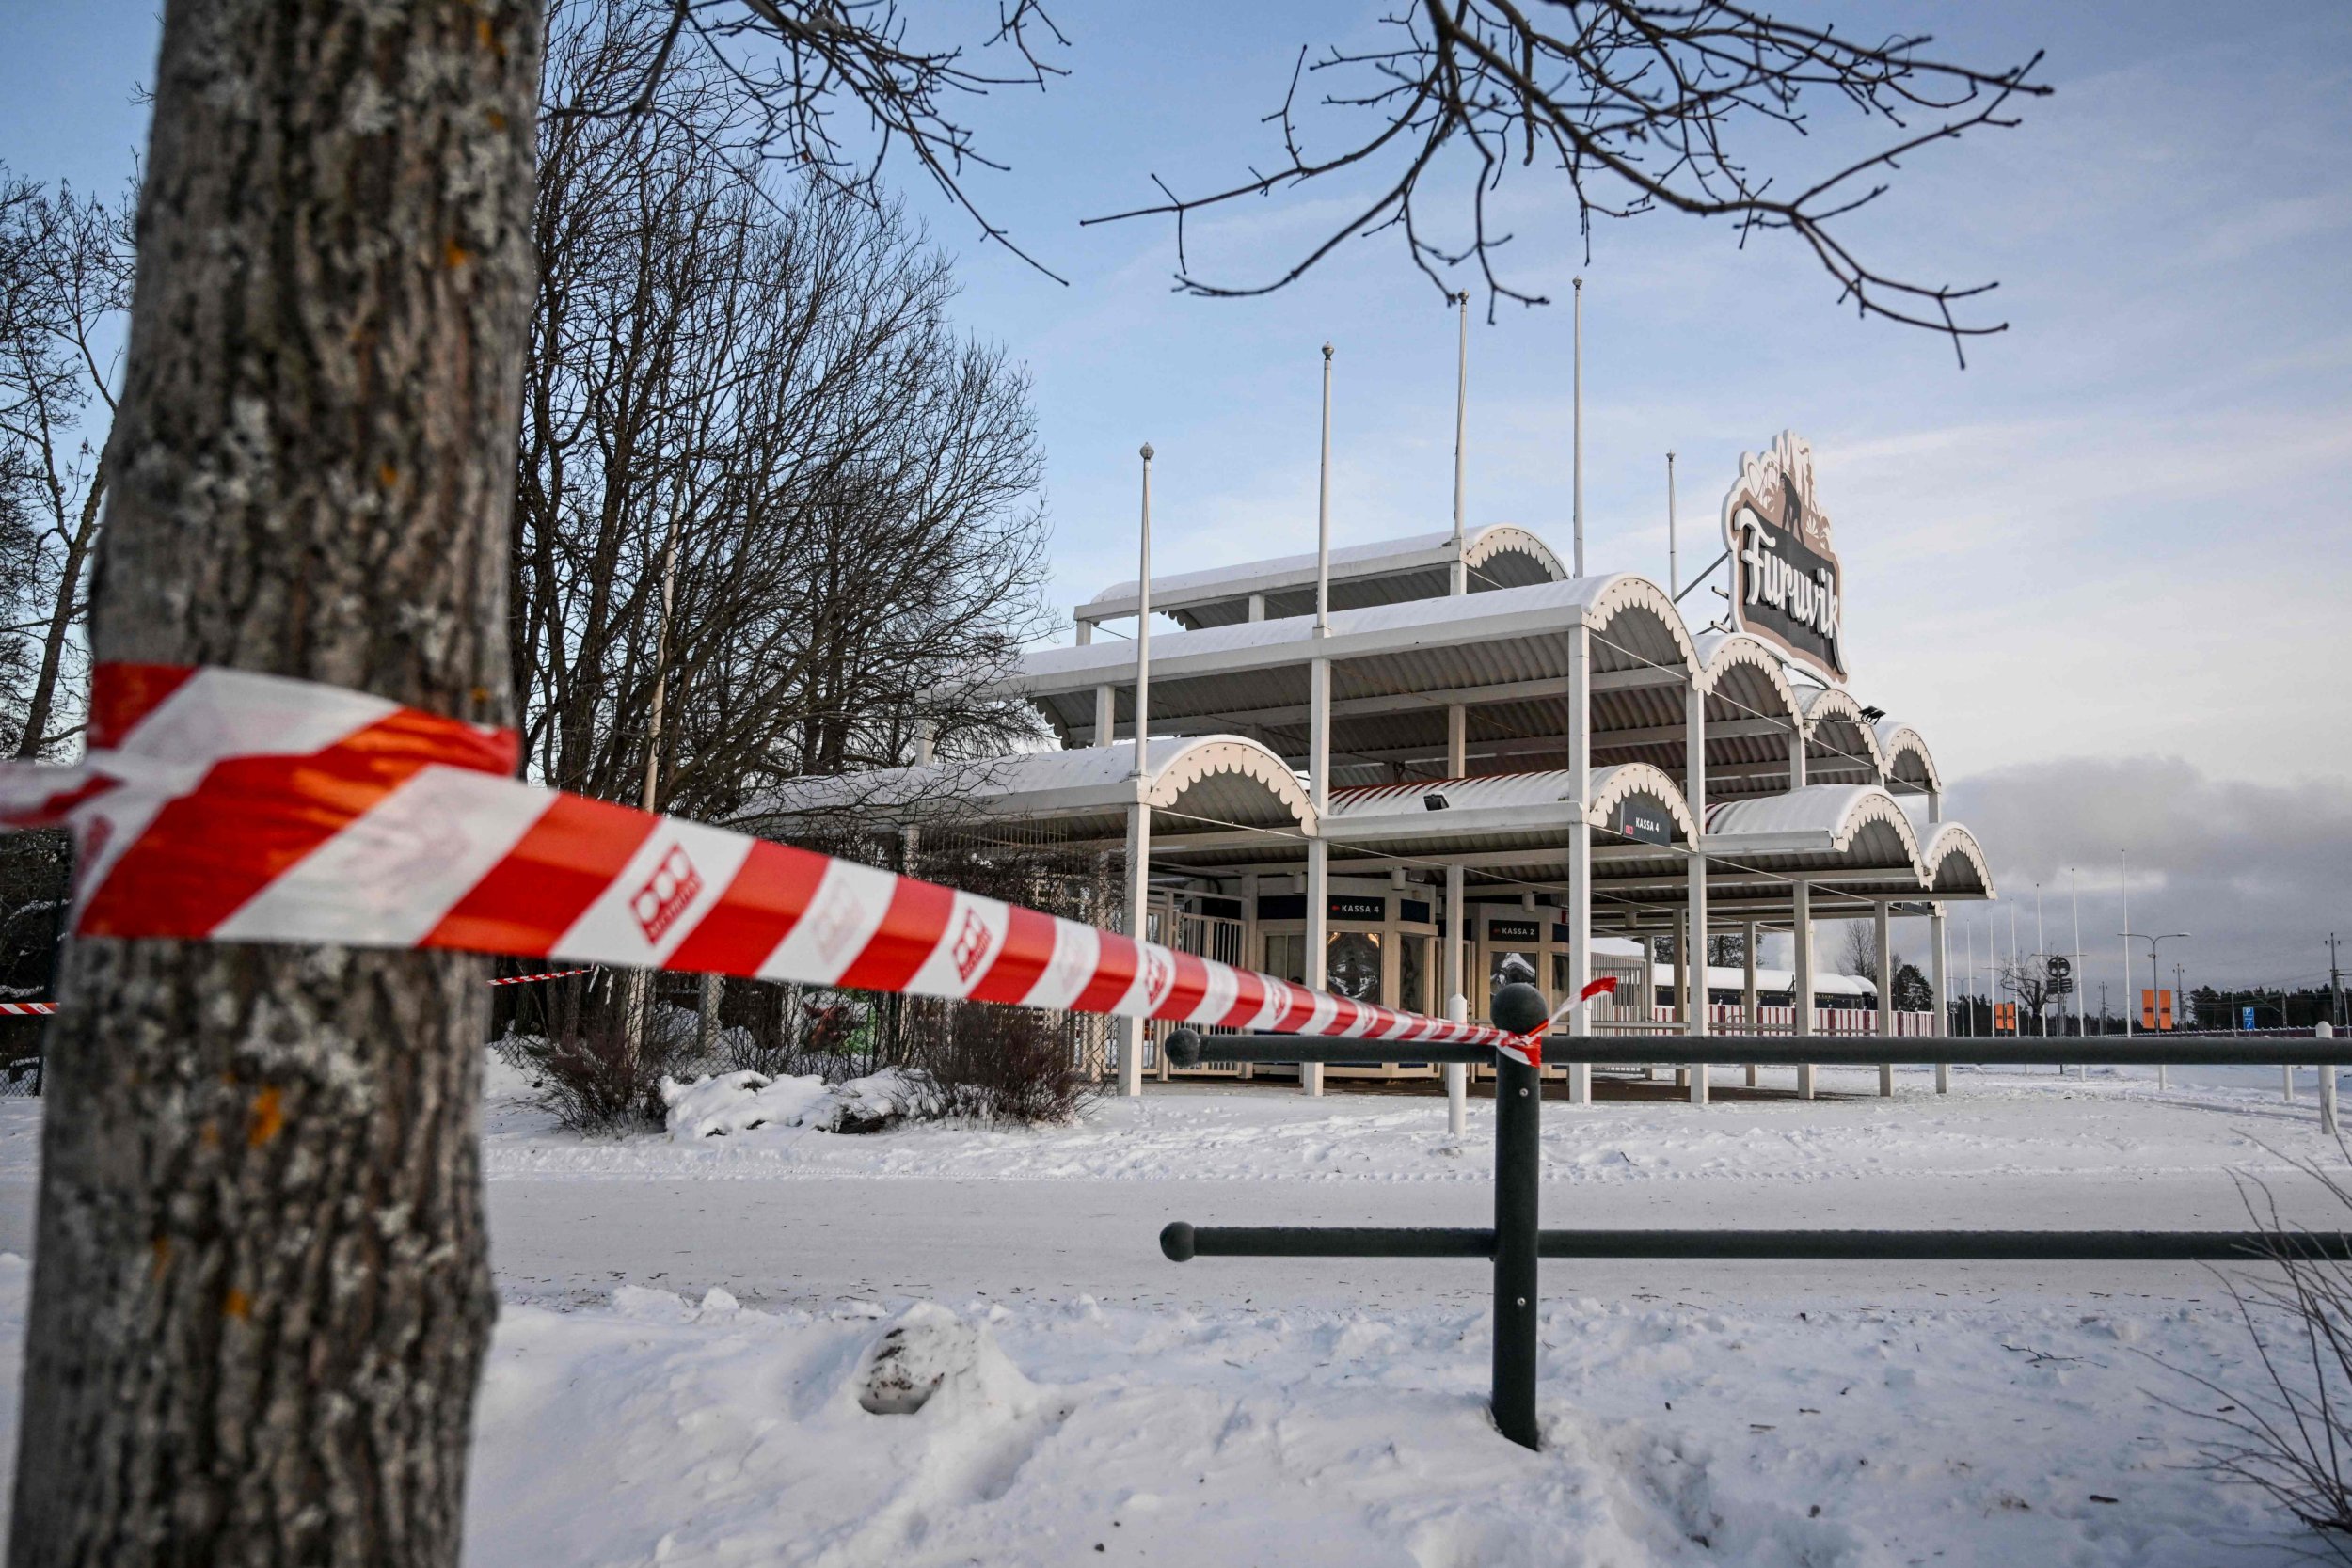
(1640,104)
(796,65)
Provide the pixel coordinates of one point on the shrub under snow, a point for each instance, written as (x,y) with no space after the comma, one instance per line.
(719,1103)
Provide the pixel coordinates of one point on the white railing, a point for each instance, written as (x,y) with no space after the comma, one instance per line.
(1731,1018)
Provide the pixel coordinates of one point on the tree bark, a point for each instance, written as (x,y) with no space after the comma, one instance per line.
(261,1294)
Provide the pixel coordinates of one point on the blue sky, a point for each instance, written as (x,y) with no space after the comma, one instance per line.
(2120,534)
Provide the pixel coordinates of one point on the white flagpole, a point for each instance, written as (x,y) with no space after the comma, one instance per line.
(1323,511)
(1461,441)
(1578,498)
(1673,558)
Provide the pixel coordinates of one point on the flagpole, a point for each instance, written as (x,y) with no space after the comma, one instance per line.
(1673,558)
(1461,440)
(1323,511)
(1579,497)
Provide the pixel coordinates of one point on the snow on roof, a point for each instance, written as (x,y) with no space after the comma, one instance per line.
(1520,792)
(1350,560)
(1733,977)
(1954,862)
(1903,755)
(1092,778)
(1834,813)
(1373,628)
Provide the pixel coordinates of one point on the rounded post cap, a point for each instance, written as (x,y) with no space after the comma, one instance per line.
(1176,1242)
(1520,1007)
(1182,1048)
(1146,451)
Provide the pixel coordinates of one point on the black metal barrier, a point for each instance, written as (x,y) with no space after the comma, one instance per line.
(1516,1241)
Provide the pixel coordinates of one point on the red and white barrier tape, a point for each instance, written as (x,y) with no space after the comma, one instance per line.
(527,979)
(41,1007)
(223,805)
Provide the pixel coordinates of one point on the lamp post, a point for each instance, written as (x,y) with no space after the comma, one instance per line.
(2156,973)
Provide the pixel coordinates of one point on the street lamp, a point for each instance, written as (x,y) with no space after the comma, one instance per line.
(2155,975)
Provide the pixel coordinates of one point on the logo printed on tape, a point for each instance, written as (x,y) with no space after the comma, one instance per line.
(1159,973)
(840,917)
(672,887)
(972,944)
(1074,961)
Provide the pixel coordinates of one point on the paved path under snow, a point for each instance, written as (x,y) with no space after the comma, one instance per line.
(813,1241)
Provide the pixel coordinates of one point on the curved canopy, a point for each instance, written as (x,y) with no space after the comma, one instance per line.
(1752,713)
(1387,572)
(1905,760)
(1817,825)
(1547,797)
(1841,744)
(1955,863)
(1212,786)
(1507,825)
(1395,669)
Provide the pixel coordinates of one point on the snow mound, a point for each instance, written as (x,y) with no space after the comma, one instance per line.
(879,1102)
(719,1103)
(716,1104)
(928,1349)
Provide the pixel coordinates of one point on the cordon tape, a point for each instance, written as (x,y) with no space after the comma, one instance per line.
(228,806)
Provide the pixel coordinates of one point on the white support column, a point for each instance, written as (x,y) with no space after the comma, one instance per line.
(1318,943)
(1138,812)
(1796,760)
(1935,805)
(1318,852)
(1800,930)
(1581,840)
(1886,991)
(1456,741)
(1105,715)
(1252,954)
(1456,1004)
(1086,633)
(1138,914)
(1750,1012)
(2326,1031)
(1939,978)
(1694,791)
(1257,607)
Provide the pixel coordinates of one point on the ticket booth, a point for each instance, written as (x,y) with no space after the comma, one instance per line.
(1381,948)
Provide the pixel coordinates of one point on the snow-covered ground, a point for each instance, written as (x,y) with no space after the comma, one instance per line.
(676,1375)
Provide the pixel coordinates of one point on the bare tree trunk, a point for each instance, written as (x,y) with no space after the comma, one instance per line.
(261,1294)
(61,618)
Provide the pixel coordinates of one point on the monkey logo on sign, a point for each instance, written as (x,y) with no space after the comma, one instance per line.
(1787,587)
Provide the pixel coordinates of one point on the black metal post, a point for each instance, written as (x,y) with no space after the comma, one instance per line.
(1518,1186)
(1518,1196)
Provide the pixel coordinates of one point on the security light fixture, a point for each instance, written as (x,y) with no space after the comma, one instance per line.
(1433,801)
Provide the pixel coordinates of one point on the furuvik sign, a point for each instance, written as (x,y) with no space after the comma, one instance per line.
(1787,587)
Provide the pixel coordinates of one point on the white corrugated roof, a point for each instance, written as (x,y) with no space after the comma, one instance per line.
(1816,808)
(1348,561)
(1447,620)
